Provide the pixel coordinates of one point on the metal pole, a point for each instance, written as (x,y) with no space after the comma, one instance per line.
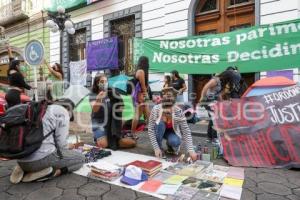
(61,47)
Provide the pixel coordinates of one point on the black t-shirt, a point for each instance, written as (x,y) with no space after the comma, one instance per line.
(98,117)
(178,84)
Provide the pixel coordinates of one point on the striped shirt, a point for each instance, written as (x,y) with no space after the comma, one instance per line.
(180,126)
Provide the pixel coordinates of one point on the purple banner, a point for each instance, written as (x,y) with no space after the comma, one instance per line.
(102,54)
(286,73)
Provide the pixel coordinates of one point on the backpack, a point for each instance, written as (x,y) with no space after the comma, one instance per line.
(21,130)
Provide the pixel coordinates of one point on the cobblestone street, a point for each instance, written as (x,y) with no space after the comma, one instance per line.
(260,184)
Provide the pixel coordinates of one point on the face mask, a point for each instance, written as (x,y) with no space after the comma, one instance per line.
(168,102)
(103,86)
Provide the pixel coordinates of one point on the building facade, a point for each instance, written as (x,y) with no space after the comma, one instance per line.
(22,21)
(166,19)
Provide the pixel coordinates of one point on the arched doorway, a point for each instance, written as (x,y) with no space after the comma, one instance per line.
(4,62)
(218,16)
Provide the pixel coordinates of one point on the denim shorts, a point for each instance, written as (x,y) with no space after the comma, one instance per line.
(99,132)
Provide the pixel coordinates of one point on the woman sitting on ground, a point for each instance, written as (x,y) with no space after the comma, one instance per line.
(53,158)
(168,122)
(100,103)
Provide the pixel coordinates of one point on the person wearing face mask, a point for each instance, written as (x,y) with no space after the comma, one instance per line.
(16,81)
(54,81)
(98,99)
(168,122)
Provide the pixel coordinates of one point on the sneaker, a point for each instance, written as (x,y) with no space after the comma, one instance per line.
(33,176)
(16,175)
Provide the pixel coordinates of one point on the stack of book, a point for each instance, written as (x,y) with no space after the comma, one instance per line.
(150,167)
(105,171)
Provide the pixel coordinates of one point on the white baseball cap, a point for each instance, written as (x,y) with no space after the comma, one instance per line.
(133,175)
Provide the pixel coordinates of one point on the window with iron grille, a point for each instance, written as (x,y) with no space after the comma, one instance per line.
(208,5)
(78,45)
(124,29)
(234,2)
(241,26)
(207,32)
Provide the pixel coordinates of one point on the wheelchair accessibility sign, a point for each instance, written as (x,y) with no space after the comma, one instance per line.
(34,53)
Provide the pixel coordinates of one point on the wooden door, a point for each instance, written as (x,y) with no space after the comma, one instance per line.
(220,16)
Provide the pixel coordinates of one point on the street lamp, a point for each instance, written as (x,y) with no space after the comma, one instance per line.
(60,21)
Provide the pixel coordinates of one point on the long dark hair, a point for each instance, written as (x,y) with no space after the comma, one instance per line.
(168,80)
(95,88)
(226,77)
(143,64)
(13,66)
(176,74)
(60,70)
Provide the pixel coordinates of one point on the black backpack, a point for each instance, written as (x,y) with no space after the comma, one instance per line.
(21,131)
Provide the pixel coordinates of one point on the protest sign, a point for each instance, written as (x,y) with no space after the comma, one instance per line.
(102,54)
(261,131)
(78,73)
(254,49)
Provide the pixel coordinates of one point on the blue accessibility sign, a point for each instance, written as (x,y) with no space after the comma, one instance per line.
(34,53)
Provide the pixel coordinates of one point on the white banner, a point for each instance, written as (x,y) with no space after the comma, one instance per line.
(78,73)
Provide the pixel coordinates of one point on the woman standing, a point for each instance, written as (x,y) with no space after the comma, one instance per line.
(179,85)
(140,92)
(55,81)
(167,82)
(219,86)
(16,81)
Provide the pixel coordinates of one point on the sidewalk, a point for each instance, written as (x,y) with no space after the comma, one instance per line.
(260,184)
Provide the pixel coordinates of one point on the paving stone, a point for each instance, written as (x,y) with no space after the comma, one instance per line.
(249,183)
(290,185)
(51,183)
(3,187)
(45,194)
(250,174)
(5,181)
(4,172)
(94,198)
(293,197)
(147,198)
(270,197)
(272,178)
(273,171)
(94,189)
(256,190)
(296,191)
(248,195)
(70,192)
(70,197)
(5,196)
(119,193)
(139,194)
(274,188)
(71,181)
(8,164)
(295,181)
(24,188)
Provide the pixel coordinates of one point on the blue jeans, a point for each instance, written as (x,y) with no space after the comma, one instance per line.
(98,130)
(161,133)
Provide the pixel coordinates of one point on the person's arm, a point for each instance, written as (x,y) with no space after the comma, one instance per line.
(151,127)
(140,75)
(52,71)
(96,105)
(183,87)
(186,135)
(210,84)
(62,128)
(10,55)
(21,81)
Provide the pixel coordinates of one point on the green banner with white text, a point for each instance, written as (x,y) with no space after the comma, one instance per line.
(255,49)
(67,4)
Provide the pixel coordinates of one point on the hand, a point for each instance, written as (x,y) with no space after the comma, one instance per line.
(101,95)
(193,156)
(158,153)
